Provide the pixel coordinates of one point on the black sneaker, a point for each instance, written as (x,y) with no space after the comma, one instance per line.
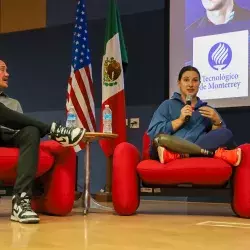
(66,136)
(21,210)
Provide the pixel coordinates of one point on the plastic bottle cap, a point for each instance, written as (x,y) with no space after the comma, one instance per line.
(106,106)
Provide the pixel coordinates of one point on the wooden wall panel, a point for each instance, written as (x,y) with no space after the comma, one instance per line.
(20,15)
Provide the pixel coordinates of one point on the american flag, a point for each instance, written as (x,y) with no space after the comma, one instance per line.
(80,85)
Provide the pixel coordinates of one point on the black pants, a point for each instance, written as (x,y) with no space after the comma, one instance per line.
(27,139)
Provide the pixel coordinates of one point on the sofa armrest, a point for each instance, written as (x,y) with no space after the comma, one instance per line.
(241,185)
(54,147)
(125,184)
(59,182)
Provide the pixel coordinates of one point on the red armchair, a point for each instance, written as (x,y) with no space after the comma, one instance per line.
(129,170)
(56,174)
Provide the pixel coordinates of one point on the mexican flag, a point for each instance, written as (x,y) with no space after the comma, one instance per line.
(113,65)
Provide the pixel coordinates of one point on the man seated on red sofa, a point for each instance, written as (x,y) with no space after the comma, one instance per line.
(18,130)
(195,122)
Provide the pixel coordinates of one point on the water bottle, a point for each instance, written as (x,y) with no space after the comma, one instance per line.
(71,118)
(107,119)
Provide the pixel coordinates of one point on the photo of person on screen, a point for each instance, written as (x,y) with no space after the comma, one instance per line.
(219,12)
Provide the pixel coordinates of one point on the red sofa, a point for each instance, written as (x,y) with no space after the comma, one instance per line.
(129,169)
(56,174)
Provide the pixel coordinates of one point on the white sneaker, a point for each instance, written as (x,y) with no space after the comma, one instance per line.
(21,210)
(66,136)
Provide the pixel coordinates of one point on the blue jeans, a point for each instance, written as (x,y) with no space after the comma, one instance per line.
(214,139)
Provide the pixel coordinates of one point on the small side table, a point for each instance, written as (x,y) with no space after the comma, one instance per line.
(89,202)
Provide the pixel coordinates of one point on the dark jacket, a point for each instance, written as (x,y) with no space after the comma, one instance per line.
(240,14)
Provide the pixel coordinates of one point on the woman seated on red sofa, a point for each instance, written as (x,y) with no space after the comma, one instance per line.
(194,121)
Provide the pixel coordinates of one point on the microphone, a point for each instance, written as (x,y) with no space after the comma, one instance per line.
(188,102)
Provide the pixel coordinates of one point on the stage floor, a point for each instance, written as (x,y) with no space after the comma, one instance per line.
(158,225)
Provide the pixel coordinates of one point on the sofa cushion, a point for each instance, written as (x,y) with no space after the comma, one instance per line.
(9,159)
(196,170)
